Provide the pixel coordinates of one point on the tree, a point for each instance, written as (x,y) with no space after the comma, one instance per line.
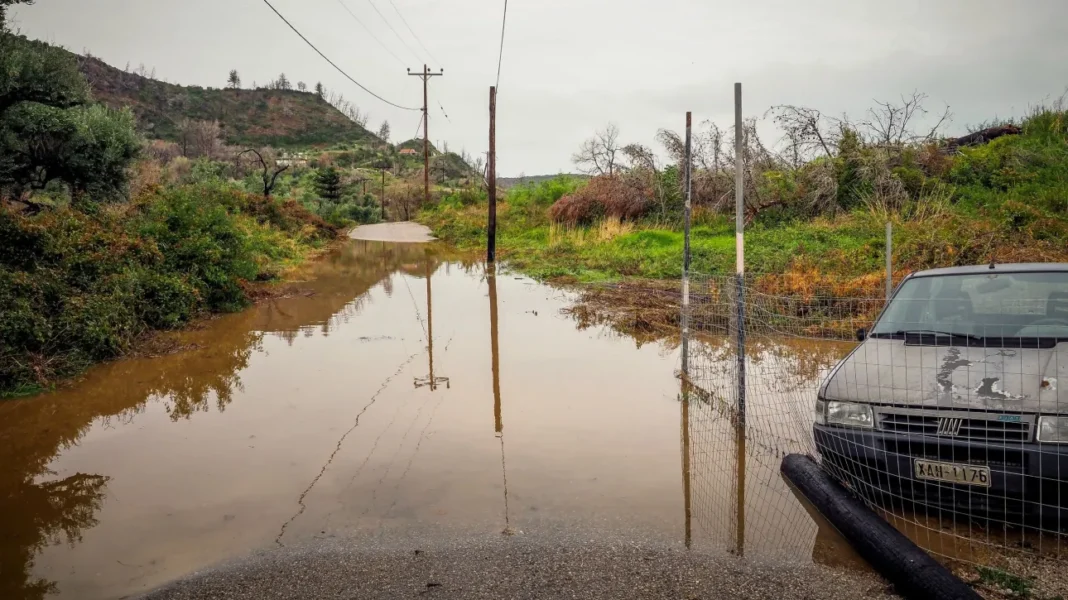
(3,10)
(320,90)
(302,86)
(597,155)
(87,147)
(199,138)
(282,83)
(328,186)
(47,131)
(36,72)
(270,172)
(234,81)
(383,132)
(891,123)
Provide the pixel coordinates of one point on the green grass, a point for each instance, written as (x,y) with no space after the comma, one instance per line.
(1006,200)
(1019,586)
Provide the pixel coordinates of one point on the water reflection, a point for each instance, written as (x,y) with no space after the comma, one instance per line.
(44,508)
(495,368)
(733,490)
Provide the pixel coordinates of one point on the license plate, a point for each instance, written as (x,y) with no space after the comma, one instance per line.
(952,473)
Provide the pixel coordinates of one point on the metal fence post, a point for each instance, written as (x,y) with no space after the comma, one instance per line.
(739,210)
(687,215)
(889,260)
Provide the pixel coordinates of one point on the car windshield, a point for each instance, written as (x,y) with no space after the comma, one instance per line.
(982,305)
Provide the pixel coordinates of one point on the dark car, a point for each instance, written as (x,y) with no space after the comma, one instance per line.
(958,396)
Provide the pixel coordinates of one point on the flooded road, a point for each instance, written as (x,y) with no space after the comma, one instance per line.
(398,395)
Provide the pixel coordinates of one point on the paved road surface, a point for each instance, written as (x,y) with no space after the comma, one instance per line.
(404,231)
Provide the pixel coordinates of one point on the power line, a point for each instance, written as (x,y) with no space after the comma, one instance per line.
(332,64)
(421,45)
(369,32)
(399,38)
(500,56)
(444,113)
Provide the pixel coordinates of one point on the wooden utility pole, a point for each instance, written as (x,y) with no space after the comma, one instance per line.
(491,179)
(383,200)
(425,75)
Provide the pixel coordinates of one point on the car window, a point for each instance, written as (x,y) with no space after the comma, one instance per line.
(984,305)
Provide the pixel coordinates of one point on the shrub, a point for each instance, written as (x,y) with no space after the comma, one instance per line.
(605,196)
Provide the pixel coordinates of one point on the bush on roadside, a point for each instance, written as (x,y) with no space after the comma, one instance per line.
(618,196)
(78,287)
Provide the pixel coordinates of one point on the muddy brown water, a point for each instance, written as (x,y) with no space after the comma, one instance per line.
(328,413)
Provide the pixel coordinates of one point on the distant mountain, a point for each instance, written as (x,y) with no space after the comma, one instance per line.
(279,118)
(507,182)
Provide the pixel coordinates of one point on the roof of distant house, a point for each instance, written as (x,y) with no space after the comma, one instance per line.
(409,151)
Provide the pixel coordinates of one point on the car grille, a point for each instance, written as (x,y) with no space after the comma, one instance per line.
(957,427)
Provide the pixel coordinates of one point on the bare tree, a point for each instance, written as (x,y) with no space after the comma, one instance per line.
(199,138)
(270,171)
(302,86)
(807,131)
(646,168)
(891,123)
(598,155)
(383,132)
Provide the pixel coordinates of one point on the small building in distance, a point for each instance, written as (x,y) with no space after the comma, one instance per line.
(409,152)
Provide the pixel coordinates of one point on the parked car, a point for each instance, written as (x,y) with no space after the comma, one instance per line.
(957,397)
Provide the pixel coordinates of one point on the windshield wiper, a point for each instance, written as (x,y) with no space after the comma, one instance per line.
(904,332)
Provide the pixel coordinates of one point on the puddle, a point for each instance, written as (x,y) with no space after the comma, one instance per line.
(328,414)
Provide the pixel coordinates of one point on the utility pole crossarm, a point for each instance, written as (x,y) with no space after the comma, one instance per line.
(425,75)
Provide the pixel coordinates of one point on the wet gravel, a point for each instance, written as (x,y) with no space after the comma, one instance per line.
(514,567)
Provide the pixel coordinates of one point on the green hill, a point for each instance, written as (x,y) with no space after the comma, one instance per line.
(279,118)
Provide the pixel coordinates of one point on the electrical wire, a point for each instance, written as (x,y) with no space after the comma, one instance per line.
(421,45)
(418,128)
(399,38)
(332,64)
(500,55)
(369,32)
(444,113)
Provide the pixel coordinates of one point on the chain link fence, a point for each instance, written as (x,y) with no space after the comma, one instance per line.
(946,419)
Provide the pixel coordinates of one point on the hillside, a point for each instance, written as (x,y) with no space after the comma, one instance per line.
(279,118)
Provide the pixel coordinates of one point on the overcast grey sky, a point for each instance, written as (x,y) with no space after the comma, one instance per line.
(570,66)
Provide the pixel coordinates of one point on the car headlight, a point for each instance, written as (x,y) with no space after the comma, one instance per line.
(1053,430)
(821,412)
(849,414)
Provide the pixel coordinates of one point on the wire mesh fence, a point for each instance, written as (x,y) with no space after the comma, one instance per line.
(947,415)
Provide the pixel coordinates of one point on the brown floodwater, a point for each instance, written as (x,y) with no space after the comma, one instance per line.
(399,392)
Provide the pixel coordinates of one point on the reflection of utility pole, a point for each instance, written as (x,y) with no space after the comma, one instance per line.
(739,446)
(498,424)
(686,472)
(430,381)
(495,362)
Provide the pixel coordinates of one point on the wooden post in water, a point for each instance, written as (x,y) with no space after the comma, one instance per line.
(687,215)
(491,176)
(739,216)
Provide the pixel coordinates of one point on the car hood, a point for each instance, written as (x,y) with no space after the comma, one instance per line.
(882,371)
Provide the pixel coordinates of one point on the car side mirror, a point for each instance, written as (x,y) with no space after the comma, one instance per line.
(862,334)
